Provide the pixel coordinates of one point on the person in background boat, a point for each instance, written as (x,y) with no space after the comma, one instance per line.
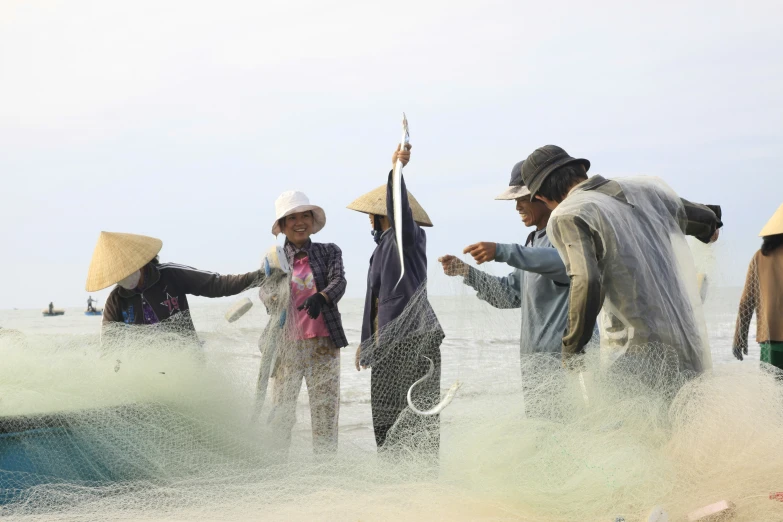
(538,285)
(396,352)
(90,301)
(51,308)
(149,292)
(763,295)
(313,326)
(621,242)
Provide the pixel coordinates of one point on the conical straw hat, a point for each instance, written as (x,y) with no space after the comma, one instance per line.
(117,256)
(374,202)
(774,225)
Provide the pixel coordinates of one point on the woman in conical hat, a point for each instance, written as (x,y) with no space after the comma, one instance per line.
(763,295)
(149,292)
(400,330)
(313,326)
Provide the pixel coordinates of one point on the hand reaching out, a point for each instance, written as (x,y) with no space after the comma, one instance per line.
(482,252)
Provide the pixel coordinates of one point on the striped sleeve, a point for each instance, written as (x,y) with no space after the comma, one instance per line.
(573,238)
(210,284)
(702,220)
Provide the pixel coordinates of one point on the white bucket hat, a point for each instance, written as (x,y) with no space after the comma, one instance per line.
(293,201)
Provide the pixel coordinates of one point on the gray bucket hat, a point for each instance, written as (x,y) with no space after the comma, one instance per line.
(516,187)
(542,162)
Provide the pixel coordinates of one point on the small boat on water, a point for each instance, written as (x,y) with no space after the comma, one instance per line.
(96,311)
(54,312)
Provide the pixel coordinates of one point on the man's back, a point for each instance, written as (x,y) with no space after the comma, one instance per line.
(632,230)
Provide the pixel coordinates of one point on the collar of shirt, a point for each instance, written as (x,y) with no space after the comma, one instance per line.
(604,186)
(535,236)
(292,250)
(591,183)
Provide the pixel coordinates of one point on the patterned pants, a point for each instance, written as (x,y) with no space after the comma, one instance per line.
(317,361)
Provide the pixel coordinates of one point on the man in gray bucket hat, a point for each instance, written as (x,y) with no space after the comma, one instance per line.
(538,285)
(623,247)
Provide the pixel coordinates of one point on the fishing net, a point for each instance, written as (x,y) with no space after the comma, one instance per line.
(754,315)
(150,424)
(633,243)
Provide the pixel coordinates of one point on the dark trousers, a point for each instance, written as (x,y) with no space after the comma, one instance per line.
(392,376)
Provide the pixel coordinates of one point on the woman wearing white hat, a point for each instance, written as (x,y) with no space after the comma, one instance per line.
(149,292)
(763,295)
(313,325)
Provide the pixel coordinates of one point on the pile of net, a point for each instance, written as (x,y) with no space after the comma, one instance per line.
(154,424)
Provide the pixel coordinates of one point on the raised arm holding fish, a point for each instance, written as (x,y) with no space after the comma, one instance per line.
(400,331)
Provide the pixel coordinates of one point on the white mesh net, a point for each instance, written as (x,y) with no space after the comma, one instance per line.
(755,313)
(152,426)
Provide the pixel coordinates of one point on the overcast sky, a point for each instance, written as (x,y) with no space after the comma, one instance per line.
(185,120)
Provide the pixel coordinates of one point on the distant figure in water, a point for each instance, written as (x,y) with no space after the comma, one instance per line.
(623,246)
(763,295)
(90,301)
(51,308)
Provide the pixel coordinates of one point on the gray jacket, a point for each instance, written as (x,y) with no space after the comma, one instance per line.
(623,243)
(538,285)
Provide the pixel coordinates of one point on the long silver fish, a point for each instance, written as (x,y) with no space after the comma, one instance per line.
(397,197)
(443,403)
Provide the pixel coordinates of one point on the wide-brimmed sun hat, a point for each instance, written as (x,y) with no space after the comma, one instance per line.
(516,187)
(292,202)
(118,255)
(374,202)
(542,162)
(774,225)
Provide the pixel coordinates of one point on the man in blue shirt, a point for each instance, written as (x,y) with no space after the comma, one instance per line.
(538,284)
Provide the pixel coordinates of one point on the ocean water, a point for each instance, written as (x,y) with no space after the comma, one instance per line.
(481,348)
(608,456)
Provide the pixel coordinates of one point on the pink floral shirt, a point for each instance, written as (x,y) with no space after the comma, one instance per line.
(302,287)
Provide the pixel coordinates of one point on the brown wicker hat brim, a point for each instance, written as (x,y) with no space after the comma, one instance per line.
(118,255)
(374,202)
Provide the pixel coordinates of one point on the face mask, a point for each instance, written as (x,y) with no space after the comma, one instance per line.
(376,229)
(130,282)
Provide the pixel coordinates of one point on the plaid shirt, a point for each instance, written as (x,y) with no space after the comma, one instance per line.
(326,262)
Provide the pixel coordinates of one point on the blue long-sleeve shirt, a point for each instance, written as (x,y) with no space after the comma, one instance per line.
(538,285)
(386,299)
